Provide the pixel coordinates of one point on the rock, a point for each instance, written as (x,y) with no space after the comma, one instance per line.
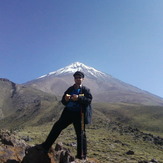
(8,138)
(58,147)
(33,155)
(26,138)
(15,150)
(152,161)
(130,152)
(137,134)
(63,155)
(11,149)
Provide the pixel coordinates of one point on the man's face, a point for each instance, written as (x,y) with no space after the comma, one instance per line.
(78,80)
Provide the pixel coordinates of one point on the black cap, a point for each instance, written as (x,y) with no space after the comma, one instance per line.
(79,73)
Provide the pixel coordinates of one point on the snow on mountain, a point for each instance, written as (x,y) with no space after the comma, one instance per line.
(77,66)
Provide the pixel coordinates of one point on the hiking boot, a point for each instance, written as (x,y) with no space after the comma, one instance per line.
(40,147)
(81,157)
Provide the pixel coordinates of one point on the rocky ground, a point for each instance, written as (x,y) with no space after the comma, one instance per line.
(117,148)
(15,150)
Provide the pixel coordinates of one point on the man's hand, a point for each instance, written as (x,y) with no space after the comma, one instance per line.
(74,97)
(67,97)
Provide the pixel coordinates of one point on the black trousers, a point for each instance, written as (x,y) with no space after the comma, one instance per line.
(67,118)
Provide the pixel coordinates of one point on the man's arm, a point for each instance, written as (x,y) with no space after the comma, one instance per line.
(66,97)
(87,98)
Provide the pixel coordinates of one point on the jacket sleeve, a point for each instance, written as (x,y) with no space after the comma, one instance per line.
(64,102)
(87,98)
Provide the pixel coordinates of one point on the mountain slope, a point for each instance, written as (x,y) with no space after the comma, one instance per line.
(7,90)
(19,104)
(104,87)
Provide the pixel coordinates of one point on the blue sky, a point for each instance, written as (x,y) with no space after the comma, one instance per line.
(120,37)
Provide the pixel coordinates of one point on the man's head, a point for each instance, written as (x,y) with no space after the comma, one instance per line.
(78,77)
(79,74)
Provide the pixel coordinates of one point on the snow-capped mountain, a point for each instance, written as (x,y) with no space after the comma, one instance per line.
(104,87)
(77,66)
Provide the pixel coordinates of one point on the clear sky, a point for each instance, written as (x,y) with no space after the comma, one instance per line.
(123,38)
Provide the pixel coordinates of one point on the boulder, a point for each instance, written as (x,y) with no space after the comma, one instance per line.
(33,155)
(11,148)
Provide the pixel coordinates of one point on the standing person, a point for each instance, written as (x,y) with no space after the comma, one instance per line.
(77,101)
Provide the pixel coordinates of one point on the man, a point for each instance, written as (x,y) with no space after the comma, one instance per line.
(77,100)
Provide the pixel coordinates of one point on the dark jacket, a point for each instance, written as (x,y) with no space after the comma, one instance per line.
(84,101)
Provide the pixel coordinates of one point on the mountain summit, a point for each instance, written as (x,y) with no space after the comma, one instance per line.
(104,87)
(77,66)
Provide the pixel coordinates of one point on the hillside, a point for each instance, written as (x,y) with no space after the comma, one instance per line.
(19,104)
(113,136)
(112,144)
(7,91)
(146,118)
(110,138)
